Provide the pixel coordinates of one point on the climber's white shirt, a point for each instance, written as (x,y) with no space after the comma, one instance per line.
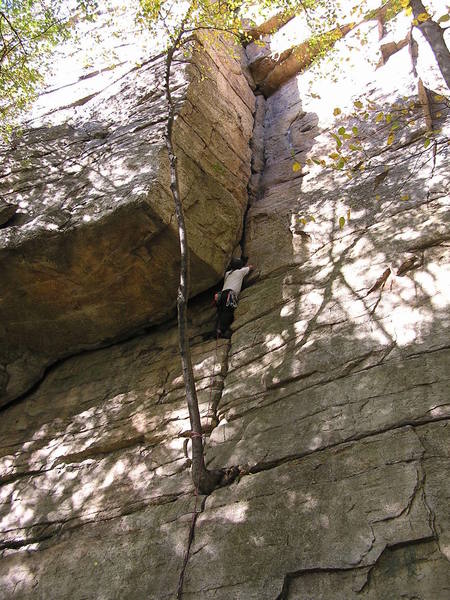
(233,279)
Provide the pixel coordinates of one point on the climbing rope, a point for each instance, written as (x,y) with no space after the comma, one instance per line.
(208,413)
(191,531)
(196,513)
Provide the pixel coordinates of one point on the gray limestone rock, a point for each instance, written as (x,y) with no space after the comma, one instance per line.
(7,211)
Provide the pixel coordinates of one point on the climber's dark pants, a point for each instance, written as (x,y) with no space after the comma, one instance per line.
(225,314)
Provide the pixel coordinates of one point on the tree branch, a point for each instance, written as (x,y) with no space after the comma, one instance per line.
(5,17)
(205,481)
(434,35)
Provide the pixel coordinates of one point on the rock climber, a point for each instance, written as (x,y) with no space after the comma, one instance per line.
(227,299)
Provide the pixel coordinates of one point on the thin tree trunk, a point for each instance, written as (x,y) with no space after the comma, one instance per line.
(205,481)
(434,34)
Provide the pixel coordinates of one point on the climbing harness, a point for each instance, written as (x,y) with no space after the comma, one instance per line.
(231,300)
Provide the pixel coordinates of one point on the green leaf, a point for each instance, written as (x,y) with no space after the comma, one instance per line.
(340,164)
(355,130)
(337,140)
(390,139)
(444,19)
(423,17)
(296,167)
(379,117)
(341,222)
(427,142)
(341,130)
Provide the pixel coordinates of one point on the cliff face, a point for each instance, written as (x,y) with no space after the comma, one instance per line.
(332,394)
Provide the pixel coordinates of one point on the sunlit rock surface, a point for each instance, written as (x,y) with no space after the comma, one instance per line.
(92,253)
(332,394)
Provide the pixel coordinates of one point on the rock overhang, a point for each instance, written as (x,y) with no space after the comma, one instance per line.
(92,253)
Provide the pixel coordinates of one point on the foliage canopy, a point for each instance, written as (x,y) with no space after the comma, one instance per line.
(29,32)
